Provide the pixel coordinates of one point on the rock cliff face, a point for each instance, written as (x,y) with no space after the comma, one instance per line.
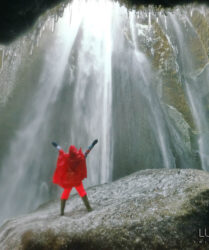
(150,209)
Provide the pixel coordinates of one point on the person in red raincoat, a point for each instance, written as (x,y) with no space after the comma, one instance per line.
(70,171)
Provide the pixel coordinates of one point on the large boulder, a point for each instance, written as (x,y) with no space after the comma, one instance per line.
(150,209)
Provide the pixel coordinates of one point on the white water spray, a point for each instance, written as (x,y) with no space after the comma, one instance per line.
(96,76)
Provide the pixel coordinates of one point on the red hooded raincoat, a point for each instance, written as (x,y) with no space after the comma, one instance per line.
(71,168)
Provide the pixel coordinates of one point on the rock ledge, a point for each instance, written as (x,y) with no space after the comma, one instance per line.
(150,209)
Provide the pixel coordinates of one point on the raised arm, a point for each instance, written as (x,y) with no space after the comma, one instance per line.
(90,147)
(56,145)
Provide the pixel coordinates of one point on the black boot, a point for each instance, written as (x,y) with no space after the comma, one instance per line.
(62,207)
(86,202)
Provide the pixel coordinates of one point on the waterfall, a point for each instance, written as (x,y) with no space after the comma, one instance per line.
(134,79)
(77,61)
(194,80)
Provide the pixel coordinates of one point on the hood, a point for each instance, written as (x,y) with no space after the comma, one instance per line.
(73,151)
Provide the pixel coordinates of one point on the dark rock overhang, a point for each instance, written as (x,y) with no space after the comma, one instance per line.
(17,16)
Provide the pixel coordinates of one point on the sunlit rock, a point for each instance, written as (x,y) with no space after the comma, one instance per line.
(200,22)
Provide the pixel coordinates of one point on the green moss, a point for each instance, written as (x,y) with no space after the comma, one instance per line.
(201,26)
(163,61)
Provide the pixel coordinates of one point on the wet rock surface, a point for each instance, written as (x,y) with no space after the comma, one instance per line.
(150,209)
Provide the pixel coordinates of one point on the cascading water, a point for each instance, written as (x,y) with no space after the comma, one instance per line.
(194,80)
(74,117)
(128,78)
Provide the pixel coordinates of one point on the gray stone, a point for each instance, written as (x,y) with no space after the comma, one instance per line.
(150,209)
